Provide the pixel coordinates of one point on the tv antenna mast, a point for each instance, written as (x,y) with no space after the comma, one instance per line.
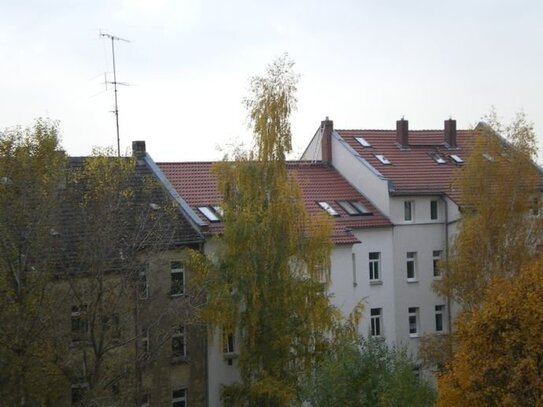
(114,38)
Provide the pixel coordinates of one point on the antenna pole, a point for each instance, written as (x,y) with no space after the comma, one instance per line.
(116,111)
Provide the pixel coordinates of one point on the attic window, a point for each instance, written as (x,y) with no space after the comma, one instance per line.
(456,159)
(363,142)
(438,158)
(210,213)
(326,206)
(488,157)
(353,208)
(383,159)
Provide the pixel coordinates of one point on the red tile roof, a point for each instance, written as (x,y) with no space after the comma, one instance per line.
(195,182)
(412,169)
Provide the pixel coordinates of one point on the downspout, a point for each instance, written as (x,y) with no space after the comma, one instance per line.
(449,313)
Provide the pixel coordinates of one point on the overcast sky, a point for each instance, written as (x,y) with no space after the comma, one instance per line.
(364,64)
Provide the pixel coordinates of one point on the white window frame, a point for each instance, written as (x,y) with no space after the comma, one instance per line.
(374,267)
(456,158)
(180,334)
(179,398)
(440,317)
(411,259)
(409,211)
(436,257)
(174,271)
(434,203)
(383,159)
(376,322)
(413,321)
(362,141)
(328,208)
(210,213)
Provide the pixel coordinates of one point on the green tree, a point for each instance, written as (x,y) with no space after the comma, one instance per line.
(367,373)
(498,233)
(498,359)
(269,281)
(31,168)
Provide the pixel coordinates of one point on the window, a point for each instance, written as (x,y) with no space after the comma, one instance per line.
(179,398)
(456,159)
(375,265)
(408,211)
(433,210)
(112,324)
(179,344)
(145,344)
(80,323)
(534,207)
(375,319)
(78,392)
(413,321)
(210,212)
(363,142)
(177,278)
(326,206)
(411,264)
(353,208)
(383,159)
(439,318)
(436,258)
(438,158)
(143,286)
(228,341)
(145,401)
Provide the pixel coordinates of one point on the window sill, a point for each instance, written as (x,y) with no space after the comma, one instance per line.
(230,355)
(177,360)
(376,282)
(181,295)
(437,278)
(414,335)
(412,280)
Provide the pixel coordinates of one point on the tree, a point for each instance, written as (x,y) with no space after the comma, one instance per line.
(367,373)
(497,235)
(116,222)
(269,282)
(31,165)
(498,360)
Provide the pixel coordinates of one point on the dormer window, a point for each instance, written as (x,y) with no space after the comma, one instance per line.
(363,142)
(326,206)
(456,159)
(438,158)
(354,208)
(212,213)
(383,159)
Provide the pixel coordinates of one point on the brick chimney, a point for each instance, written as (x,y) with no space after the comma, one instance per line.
(138,149)
(402,132)
(450,133)
(327,127)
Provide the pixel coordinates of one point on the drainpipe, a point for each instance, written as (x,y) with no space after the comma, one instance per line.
(449,313)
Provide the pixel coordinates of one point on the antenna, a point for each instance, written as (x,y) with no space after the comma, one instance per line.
(116,111)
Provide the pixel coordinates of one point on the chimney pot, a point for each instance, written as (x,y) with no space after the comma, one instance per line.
(402,132)
(450,133)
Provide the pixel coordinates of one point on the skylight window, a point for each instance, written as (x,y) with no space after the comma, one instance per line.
(456,159)
(353,208)
(326,206)
(210,213)
(383,159)
(438,158)
(363,142)
(488,157)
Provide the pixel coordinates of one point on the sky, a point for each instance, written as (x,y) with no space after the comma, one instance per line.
(364,64)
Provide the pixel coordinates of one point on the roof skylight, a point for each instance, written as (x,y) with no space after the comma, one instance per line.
(456,158)
(438,158)
(326,206)
(353,208)
(210,213)
(363,142)
(383,159)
